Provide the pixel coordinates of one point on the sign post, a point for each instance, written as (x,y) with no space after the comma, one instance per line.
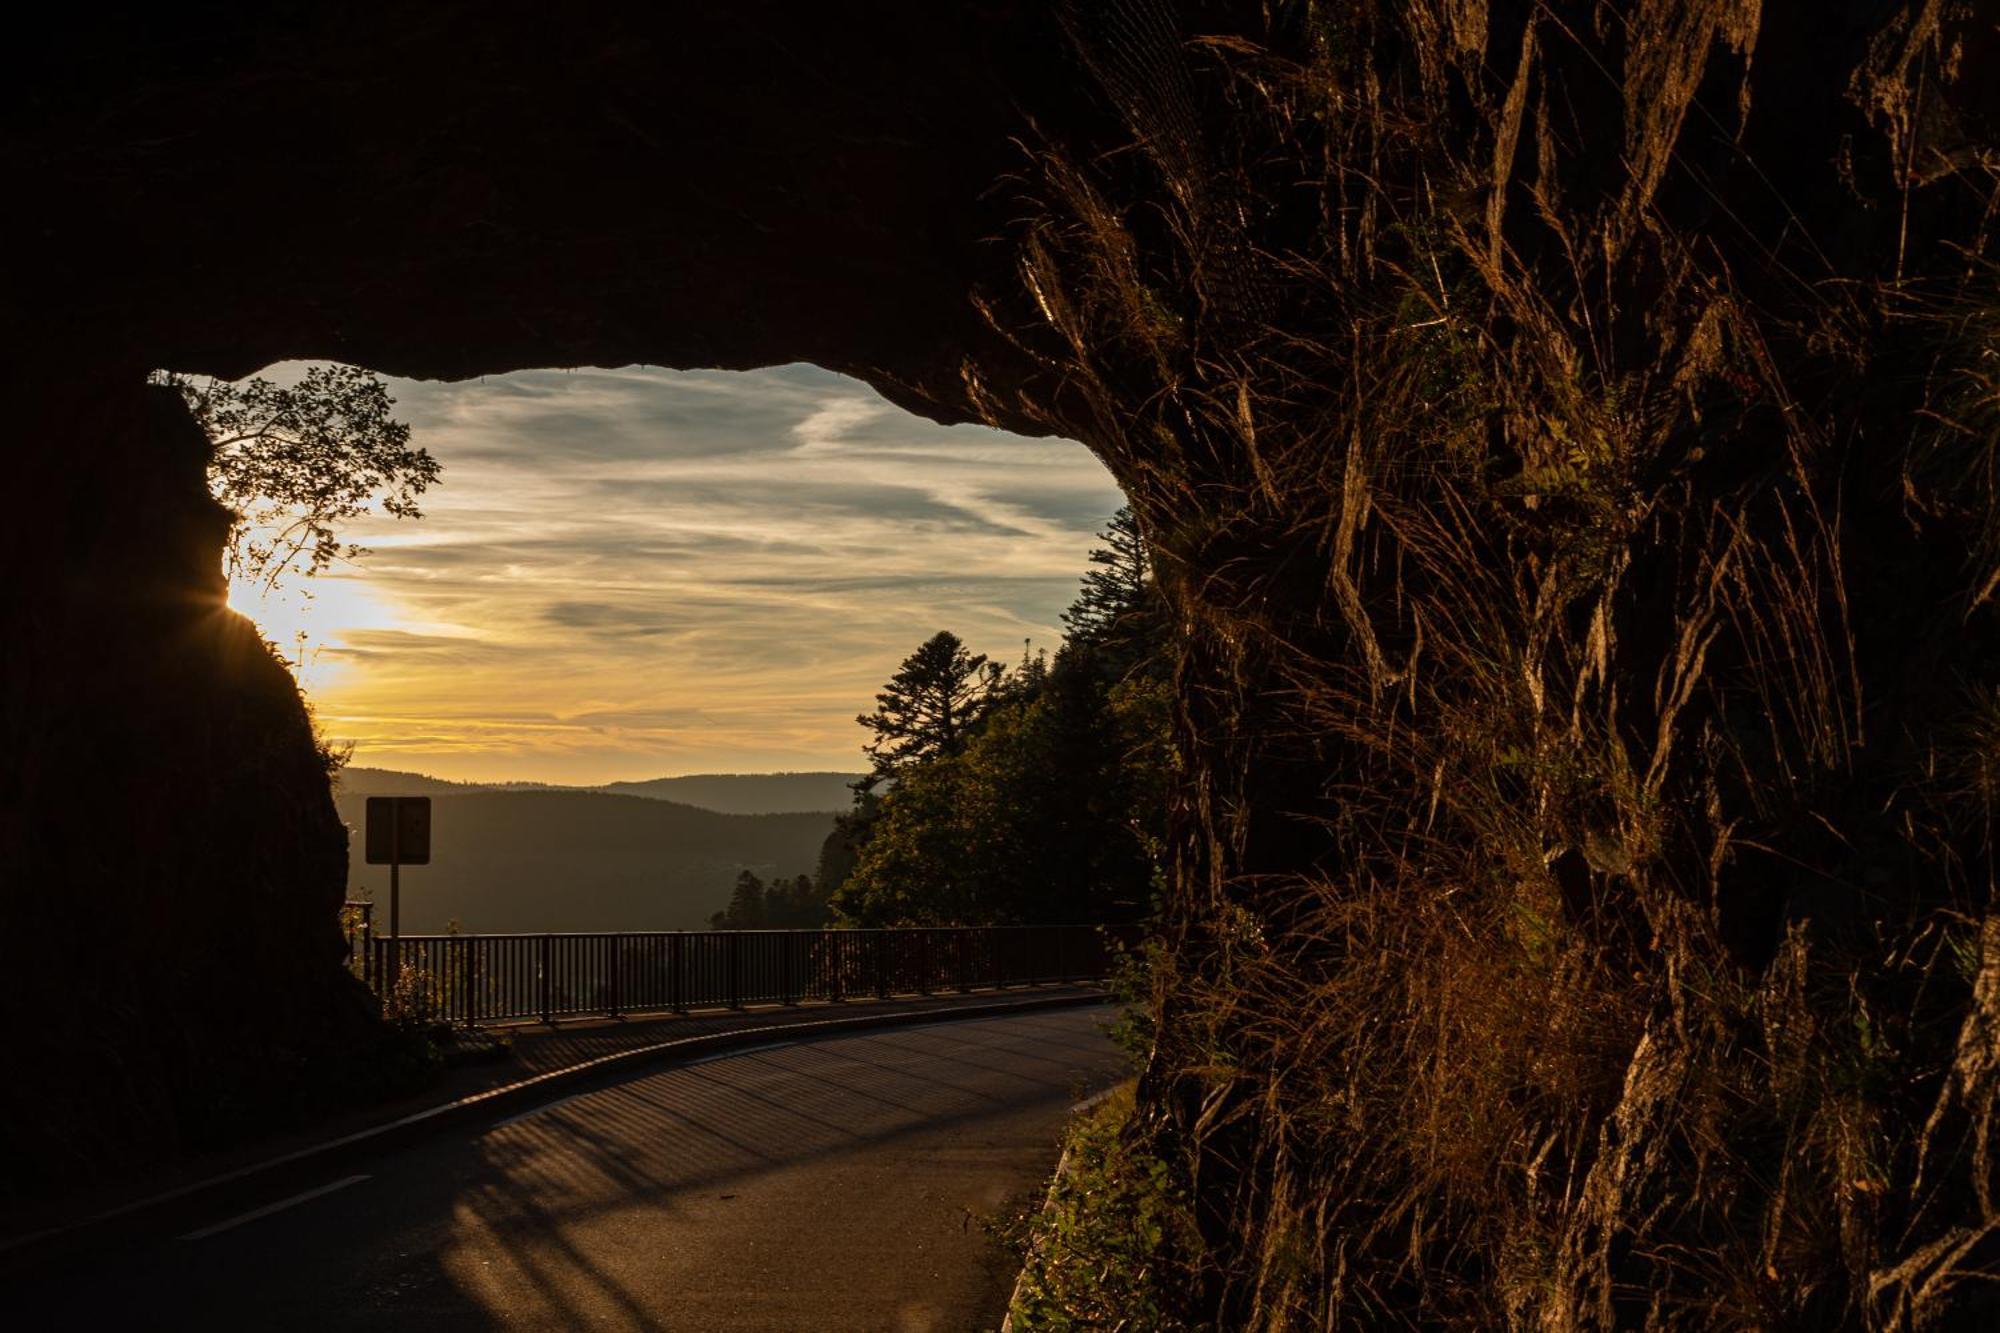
(399,834)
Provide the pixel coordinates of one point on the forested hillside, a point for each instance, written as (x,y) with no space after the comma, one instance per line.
(356,780)
(748,793)
(555,860)
(725,793)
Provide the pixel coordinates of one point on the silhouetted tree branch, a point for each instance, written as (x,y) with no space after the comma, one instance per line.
(295,462)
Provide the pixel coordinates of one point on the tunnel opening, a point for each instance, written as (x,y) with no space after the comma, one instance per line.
(795,556)
(1538,422)
(635,582)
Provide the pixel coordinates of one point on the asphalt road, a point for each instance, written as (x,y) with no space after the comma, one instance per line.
(833,1184)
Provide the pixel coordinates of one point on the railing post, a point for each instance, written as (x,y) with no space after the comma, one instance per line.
(548,978)
(617,968)
(834,965)
(677,972)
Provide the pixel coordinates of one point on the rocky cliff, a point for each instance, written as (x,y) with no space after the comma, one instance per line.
(173,865)
(1566,431)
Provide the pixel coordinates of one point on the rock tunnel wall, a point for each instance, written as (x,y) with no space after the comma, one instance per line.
(172,861)
(1565,431)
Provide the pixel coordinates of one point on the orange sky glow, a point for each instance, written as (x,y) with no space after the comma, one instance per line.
(637,572)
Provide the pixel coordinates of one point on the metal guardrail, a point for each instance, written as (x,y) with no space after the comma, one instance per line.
(470,979)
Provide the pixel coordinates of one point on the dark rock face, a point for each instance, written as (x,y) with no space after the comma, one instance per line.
(173,864)
(1566,434)
(494,188)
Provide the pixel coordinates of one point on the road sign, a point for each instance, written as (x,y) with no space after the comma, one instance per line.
(399,830)
(399,834)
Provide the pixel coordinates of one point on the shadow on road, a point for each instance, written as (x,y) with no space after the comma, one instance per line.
(830,1184)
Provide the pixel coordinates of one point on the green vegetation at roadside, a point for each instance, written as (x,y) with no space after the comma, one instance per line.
(1111,1245)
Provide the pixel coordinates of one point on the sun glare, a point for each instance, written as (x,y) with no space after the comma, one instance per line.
(302,618)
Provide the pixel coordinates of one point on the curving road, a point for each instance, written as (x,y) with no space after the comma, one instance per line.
(834,1184)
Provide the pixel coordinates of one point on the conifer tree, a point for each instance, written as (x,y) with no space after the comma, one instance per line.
(928,707)
(1119,588)
(746,905)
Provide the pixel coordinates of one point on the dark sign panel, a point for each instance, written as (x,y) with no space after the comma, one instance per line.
(399,830)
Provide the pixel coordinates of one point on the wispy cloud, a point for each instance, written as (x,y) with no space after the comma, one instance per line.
(635,571)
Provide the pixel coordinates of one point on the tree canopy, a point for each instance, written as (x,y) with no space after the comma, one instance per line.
(1047,803)
(1118,588)
(783,904)
(1052,812)
(295,462)
(1118,616)
(929,706)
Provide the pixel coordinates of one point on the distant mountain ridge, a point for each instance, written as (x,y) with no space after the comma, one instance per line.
(723,793)
(565,860)
(353,781)
(749,793)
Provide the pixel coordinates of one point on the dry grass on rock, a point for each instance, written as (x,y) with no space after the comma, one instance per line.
(1582,418)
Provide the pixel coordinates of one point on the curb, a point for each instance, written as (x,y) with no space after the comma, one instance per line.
(305,1163)
(1084,1107)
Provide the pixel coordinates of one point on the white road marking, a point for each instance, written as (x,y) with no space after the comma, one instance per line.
(270,1208)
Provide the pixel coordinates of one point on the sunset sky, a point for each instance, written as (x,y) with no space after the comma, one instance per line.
(638,572)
